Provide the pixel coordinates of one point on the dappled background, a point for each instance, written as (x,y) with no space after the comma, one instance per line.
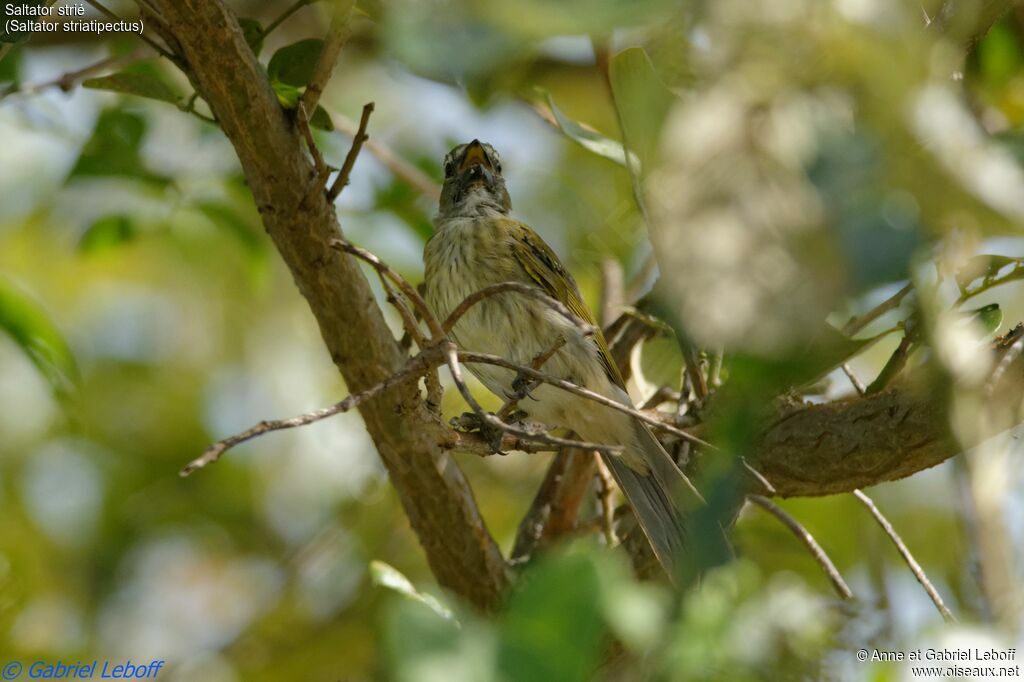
(797,162)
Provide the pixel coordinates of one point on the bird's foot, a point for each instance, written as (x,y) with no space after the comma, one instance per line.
(522,387)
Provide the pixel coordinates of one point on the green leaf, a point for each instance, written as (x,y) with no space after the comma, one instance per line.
(107,232)
(10,68)
(588,138)
(998,55)
(553,626)
(135,83)
(642,100)
(385,575)
(294,64)
(321,120)
(661,363)
(984,269)
(253,32)
(287,95)
(113,149)
(989,316)
(26,322)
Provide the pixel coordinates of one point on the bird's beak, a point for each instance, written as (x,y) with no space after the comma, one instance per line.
(475,156)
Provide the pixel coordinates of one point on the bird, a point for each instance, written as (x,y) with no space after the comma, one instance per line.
(476,243)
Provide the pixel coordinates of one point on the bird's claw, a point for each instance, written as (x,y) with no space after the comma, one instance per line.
(522,387)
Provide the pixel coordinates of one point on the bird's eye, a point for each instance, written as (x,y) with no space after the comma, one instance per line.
(449,169)
(497,166)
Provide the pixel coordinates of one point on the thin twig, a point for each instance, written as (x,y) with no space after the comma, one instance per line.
(322,171)
(337,34)
(488,359)
(436,331)
(664,394)
(537,363)
(989,283)
(453,356)
(401,168)
(146,39)
(520,288)
(69,80)
(915,567)
(854,379)
(408,320)
(855,324)
(691,359)
(295,7)
(554,510)
(350,159)
(414,368)
(816,550)
(765,484)
(605,491)
(1009,356)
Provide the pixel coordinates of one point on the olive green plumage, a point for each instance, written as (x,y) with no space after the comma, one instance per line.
(477,245)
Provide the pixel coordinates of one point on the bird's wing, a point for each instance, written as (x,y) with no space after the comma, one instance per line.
(543,267)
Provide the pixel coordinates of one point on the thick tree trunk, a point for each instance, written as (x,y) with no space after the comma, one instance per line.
(438,500)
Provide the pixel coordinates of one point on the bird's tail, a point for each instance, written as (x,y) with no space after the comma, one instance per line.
(663,500)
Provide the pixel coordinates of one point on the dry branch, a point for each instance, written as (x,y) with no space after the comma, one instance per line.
(350,159)
(337,34)
(816,550)
(901,546)
(857,442)
(433,491)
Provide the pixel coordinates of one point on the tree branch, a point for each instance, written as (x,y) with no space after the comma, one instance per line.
(816,550)
(433,491)
(858,442)
(337,34)
(350,159)
(915,567)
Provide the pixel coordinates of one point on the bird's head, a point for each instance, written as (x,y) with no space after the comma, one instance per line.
(473,184)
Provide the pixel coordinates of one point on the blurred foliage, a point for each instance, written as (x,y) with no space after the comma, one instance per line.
(800,162)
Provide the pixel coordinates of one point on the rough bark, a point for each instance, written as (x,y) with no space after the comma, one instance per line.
(461,552)
(843,445)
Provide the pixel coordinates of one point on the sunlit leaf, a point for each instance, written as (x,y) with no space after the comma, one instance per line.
(294,64)
(30,327)
(133,83)
(588,138)
(107,232)
(287,95)
(114,149)
(641,99)
(388,576)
